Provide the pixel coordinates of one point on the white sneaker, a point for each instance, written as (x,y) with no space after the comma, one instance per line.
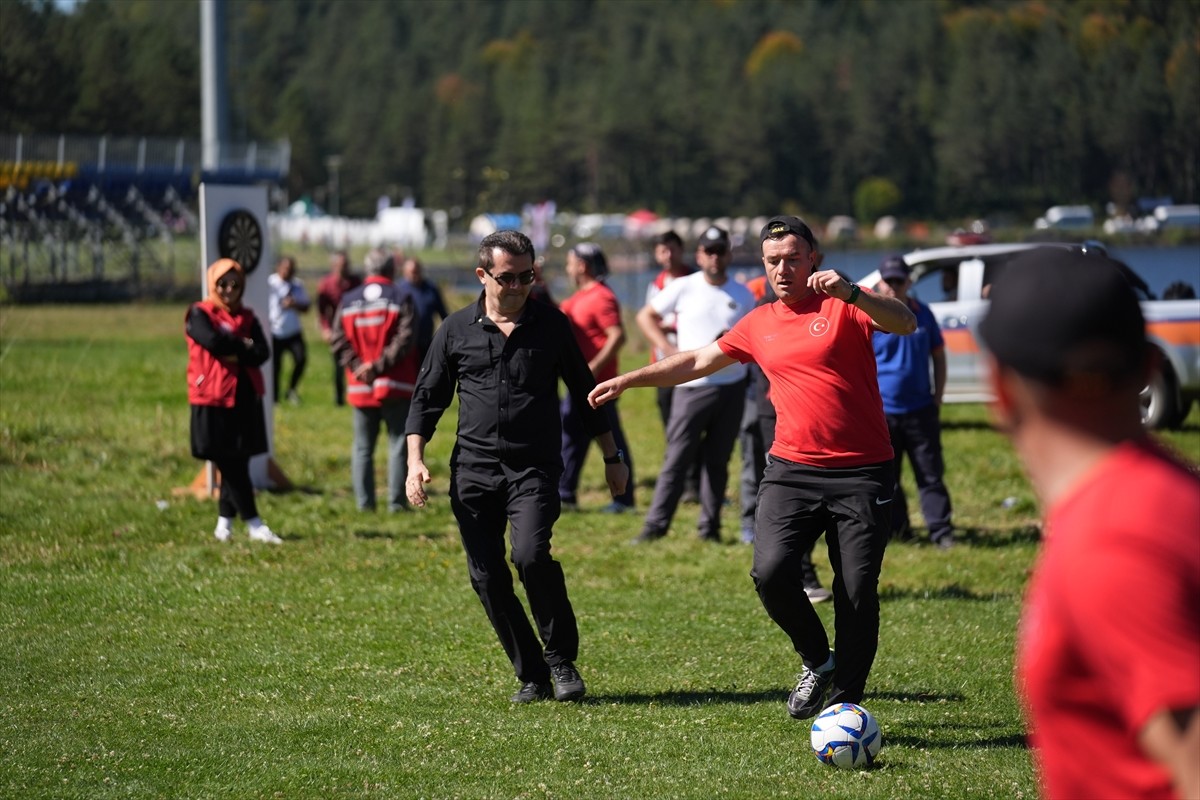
(222,533)
(264,534)
(817,594)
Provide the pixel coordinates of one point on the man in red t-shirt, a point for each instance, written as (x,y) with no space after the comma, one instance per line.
(329,296)
(831,462)
(595,318)
(1110,679)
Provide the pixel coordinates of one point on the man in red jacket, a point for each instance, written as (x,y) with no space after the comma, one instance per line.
(373,337)
(330,291)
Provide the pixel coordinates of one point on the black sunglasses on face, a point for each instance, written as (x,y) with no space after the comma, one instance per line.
(507,279)
(716,251)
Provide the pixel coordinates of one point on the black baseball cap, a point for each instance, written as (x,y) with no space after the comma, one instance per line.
(783,225)
(591,254)
(1056,312)
(714,236)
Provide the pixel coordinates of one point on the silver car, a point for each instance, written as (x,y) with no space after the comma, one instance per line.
(954,283)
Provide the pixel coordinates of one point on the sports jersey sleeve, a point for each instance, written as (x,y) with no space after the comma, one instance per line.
(608,311)
(925,318)
(736,341)
(1149,647)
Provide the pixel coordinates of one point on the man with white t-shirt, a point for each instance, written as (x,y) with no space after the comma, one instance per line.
(706,412)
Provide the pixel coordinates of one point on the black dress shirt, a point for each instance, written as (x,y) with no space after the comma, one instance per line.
(507,386)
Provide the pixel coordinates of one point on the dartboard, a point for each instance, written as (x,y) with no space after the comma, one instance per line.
(240,238)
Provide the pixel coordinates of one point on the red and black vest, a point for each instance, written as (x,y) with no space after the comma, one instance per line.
(370,318)
(212,380)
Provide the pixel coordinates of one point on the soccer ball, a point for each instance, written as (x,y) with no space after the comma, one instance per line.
(846,736)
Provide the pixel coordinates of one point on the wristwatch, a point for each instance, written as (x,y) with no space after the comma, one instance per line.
(619,458)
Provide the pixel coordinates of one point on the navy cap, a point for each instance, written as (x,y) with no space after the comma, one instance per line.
(893,267)
(1056,312)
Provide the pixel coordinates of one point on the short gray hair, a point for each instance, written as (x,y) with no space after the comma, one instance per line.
(377,262)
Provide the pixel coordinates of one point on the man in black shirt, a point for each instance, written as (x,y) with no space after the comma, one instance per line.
(505,356)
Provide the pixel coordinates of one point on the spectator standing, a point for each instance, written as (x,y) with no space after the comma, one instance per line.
(706,410)
(505,356)
(329,296)
(287,302)
(226,347)
(1067,358)
(428,300)
(911,403)
(831,461)
(595,317)
(668,254)
(374,339)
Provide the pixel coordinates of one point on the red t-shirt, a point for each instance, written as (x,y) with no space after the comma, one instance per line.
(818,356)
(1110,633)
(592,312)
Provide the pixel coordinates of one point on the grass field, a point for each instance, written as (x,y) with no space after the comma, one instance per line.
(141,658)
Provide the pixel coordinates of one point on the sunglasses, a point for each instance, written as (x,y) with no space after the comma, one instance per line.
(895,281)
(715,251)
(507,279)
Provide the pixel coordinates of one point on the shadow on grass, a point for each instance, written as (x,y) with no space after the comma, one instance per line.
(389,535)
(679,698)
(294,489)
(977,537)
(952,591)
(967,425)
(917,697)
(1009,740)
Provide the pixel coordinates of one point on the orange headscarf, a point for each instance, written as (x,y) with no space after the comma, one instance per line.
(216,271)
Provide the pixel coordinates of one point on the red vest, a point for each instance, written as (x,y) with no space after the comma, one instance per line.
(370,318)
(212,380)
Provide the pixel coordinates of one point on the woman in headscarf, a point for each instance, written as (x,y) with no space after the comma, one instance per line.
(226,347)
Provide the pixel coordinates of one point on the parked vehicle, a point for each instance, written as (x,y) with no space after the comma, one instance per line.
(954,283)
(1066,218)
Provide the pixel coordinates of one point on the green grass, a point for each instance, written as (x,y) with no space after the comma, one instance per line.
(141,658)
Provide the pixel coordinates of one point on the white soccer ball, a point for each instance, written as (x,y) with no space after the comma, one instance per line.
(846,736)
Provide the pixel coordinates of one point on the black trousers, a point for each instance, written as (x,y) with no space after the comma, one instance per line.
(575,443)
(294,345)
(237,492)
(918,435)
(339,382)
(852,506)
(487,498)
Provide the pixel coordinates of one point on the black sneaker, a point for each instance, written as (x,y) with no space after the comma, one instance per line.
(532,691)
(648,535)
(808,697)
(567,683)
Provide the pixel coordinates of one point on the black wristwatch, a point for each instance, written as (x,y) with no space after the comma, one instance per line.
(619,458)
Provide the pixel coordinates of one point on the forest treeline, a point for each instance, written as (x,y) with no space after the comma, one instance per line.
(947,108)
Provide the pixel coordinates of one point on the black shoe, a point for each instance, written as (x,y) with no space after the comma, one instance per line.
(567,683)
(531,692)
(648,535)
(809,695)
